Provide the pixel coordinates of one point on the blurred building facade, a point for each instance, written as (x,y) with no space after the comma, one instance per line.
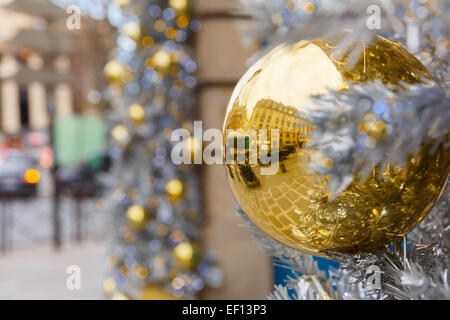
(48,71)
(50,84)
(34,69)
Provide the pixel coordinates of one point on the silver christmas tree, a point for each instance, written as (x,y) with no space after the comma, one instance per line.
(155,205)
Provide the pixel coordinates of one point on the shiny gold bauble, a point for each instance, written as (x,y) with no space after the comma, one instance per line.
(114,71)
(154,292)
(186,255)
(137,113)
(174,190)
(294,205)
(137,216)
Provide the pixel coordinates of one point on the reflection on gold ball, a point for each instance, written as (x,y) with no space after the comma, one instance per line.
(114,70)
(155,292)
(174,190)
(133,30)
(293,205)
(137,216)
(186,255)
(137,113)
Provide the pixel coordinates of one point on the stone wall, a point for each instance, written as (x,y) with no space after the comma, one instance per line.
(222,60)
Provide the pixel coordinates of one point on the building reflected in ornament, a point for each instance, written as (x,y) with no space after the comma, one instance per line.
(257,146)
(269,114)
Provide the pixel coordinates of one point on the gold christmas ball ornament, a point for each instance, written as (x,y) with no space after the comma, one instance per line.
(119,296)
(165,63)
(292,203)
(174,190)
(179,6)
(186,255)
(114,71)
(122,3)
(161,60)
(137,216)
(133,30)
(120,133)
(154,292)
(137,113)
(109,286)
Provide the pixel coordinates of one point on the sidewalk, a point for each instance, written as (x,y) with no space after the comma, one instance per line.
(40,273)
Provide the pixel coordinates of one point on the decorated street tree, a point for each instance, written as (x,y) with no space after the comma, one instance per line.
(155,205)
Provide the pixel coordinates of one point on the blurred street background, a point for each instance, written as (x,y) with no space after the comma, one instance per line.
(48,202)
(54,157)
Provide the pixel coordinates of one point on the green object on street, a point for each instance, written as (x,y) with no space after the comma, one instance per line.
(79,140)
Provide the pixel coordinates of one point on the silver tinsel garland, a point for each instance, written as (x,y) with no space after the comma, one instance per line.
(413,115)
(418,272)
(413,268)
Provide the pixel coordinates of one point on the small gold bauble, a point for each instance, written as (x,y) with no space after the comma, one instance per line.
(155,292)
(137,113)
(120,133)
(109,286)
(119,296)
(122,3)
(180,6)
(174,190)
(294,205)
(137,216)
(186,255)
(161,60)
(133,30)
(114,71)
(141,272)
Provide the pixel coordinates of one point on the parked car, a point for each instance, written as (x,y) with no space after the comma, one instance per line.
(17,174)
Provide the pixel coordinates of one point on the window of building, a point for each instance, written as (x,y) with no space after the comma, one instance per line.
(24,112)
